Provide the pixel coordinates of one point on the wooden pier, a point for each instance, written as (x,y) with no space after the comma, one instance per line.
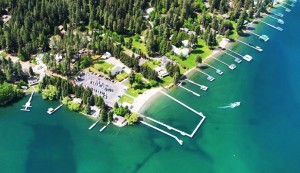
(232,66)
(236,59)
(196,94)
(256,47)
(276,27)
(104,127)
(28,103)
(162,131)
(93,125)
(218,71)
(210,78)
(51,110)
(202,87)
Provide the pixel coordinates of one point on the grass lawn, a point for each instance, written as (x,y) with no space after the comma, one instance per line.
(103,66)
(120,77)
(151,65)
(125,98)
(166,81)
(233,34)
(138,45)
(201,49)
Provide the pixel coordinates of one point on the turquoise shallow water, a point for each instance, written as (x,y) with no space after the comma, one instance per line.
(262,135)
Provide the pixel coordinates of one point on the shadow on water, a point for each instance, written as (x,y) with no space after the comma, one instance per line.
(50,150)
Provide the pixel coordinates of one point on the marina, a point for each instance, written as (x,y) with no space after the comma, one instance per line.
(202,87)
(218,71)
(93,125)
(254,47)
(209,78)
(232,66)
(245,57)
(196,94)
(51,110)
(236,59)
(28,103)
(276,27)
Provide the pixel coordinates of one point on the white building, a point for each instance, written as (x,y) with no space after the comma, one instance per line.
(116,70)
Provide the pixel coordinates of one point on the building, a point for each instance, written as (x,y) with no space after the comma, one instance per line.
(106,55)
(116,70)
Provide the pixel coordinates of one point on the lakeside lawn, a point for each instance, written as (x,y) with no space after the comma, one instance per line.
(233,35)
(201,49)
(103,66)
(166,81)
(125,98)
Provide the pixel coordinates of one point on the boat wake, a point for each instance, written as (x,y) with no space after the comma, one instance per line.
(231,105)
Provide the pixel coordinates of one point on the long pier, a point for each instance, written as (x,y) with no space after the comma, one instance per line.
(93,125)
(232,66)
(210,78)
(203,87)
(104,127)
(184,105)
(278,20)
(291,5)
(158,129)
(167,126)
(218,71)
(199,124)
(263,37)
(236,59)
(196,94)
(52,111)
(278,14)
(235,53)
(28,103)
(286,9)
(276,27)
(256,48)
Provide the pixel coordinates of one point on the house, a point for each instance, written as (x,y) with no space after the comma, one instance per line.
(33,81)
(162,72)
(77,100)
(164,61)
(39,58)
(116,70)
(106,55)
(95,111)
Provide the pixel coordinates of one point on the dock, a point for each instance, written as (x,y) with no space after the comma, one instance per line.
(209,77)
(263,37)
(28,103)
(203,87)
(93,125)
(278,14)
(247,44)
(218,71)
(104,127)
(232,66)
(236,59)
(158,129)
(51,110)
(291,5)
(196,94)
(277,19)
(276,27)
(286,9)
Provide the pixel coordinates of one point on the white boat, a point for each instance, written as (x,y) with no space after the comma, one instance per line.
(219,72)
(238,60)
(204,88)
(235,104)
(232,66)
(50,110)
(258,48)
(280,21)
(247,58)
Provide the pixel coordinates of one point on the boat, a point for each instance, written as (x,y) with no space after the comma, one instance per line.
(247,58)
(210,78)
(235,104)
(232,66)
(258,48)
(280,21)
(238,60)
(204,88)
(219,72)
(50,110)
(264,37)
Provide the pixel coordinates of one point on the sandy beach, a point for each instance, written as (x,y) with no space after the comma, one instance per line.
(143,98)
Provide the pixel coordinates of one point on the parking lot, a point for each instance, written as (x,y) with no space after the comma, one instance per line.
(109,90)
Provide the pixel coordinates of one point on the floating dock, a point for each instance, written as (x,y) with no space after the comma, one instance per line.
(93,125)
(286,9)
(245,57)
(232,66)
(104,127)
(196,94)
(202,87)
(51,110)
(158,129)
(278,14)
(247,44)
(210,78)
(263,37)
(276,27)
(278,20)
(218,71)
(28,103)
(236,59)
(291,5)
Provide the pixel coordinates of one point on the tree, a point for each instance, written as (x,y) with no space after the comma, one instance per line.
(66,100)
(110,116)
(131,78)
(198,59)
(49,93)
(31,73)
(87,109)
(132,118)
(74,106)
(176,77)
